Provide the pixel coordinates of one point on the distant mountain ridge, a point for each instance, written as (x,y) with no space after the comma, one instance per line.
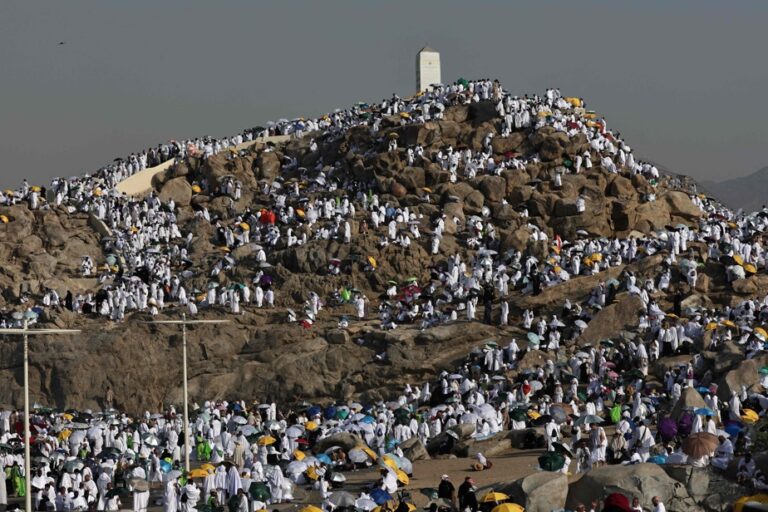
(749,193)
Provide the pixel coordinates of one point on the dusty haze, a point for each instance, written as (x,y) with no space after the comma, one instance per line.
(683,82)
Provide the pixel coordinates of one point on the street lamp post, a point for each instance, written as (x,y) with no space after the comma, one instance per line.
(25,332)
(184,323)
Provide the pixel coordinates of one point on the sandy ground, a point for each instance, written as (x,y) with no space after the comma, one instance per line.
(507,468)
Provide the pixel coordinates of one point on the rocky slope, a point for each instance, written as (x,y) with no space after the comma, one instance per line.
(261,356)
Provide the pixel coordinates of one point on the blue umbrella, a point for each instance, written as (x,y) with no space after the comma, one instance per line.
(313,411)
(658,459)
(703,390)
(704,411)
(380,496)
(329,413)
(533,339)
(165,466)
(325,459)
(733,429)
(369,420)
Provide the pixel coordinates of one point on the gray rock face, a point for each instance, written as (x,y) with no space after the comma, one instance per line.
(539,492)
(643,481)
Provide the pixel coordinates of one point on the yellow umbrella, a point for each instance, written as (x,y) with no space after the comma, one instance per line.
(749,416)
(761,331)
(134,229)
(711,326)
(750,269)
(311,425)
(67,416)
(390,462)
(672,315)
(738,259)
(299,455)
(411,507)
(266,441)
(733,225)
(198,473)
(492,497)
(310,508)
(428,191)
(405,115)
(64,434)
(596,256)
(508,507)
(372,261)
(245,226)
(728,323)
(35,188)
(312,472)
(300,212)
(196,189)
(97,192)
(534,415)
(402,477)
(8,192)
(208,467)
(372,454)
(738,505)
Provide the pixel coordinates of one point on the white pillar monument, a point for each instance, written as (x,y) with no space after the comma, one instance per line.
(427,68)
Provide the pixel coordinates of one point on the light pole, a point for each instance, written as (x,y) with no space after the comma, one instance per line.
(184,323)
(26,332)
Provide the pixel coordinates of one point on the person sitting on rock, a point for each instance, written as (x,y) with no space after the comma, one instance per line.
(746,469)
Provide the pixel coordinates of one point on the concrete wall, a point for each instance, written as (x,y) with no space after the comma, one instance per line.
(140,183)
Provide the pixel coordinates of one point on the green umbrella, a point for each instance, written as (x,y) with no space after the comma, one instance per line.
(259,491)
(607,343)
(551,461)
(519,414)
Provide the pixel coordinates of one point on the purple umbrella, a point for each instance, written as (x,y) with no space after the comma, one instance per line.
(685,424)
(667,429)
(266,280)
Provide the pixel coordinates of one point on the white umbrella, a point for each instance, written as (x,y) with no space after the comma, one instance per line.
(358,456)
(294,431)
(171,475)
(468,418)
(296,467)
(151,440)
(365,504)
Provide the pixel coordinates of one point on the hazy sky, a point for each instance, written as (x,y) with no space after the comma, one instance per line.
(684,82)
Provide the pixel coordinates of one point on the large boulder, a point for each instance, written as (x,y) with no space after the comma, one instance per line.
(414,449)
(493,188)
(689,399)
(177,189)
(345,440)
(539,492)
(681,206)
(268,166)
(643,481)
(622,315)
(745,374)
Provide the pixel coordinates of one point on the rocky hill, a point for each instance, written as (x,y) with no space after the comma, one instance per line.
(259,354)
